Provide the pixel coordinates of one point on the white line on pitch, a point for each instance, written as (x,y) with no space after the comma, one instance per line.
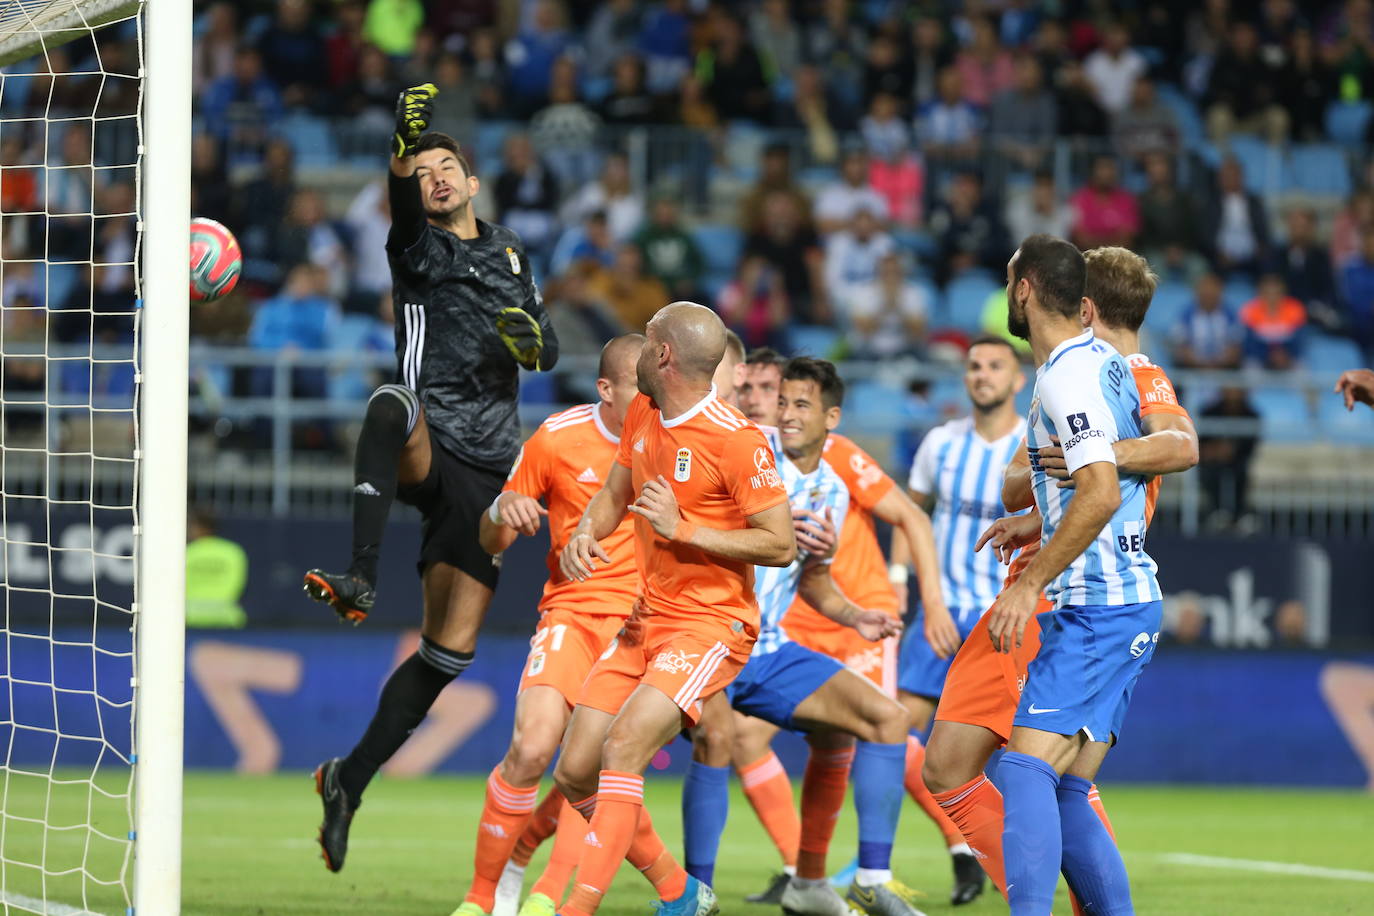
(1273,868)
(46,907)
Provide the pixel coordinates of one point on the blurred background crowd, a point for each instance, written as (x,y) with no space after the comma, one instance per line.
(842,177)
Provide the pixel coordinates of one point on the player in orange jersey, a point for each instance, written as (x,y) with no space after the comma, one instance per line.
(563,463)
(983,687)
(709,506)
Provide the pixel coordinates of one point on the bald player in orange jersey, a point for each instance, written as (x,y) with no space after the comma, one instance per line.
(983,687)
(563,463)
(709,506)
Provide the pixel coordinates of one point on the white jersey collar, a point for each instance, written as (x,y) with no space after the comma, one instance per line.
(691,412)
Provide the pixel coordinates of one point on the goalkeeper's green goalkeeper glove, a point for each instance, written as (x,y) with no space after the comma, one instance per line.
(414,108)
(521,335)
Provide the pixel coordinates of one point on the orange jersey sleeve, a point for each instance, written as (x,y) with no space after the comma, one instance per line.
(721,470)
(564,463)
(1157,393)
(868,483)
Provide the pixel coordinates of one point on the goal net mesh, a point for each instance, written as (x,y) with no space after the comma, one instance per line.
(70,143)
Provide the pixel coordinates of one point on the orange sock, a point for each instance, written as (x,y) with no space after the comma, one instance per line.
(648,854)
(1095,799)
(976,809)
(541,826)
(567,848)
(823,788)
(507,810)
(916,788)
(769,791)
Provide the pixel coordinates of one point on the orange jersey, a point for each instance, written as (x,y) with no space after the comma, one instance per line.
(564,463)
(1157,395)
(721,470)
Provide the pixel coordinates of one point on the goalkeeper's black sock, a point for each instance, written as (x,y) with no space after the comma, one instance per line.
(409,693)
(392,412)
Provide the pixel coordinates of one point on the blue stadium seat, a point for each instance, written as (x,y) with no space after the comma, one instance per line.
(1237,291)
(1346,122)
(720,247)
(1263,163)
(1326,353)
(915,242)
(1170,302)
(1339,425)
(310,139)
(1318,168)
(876,407)
(813,340)
(1284,412)
(965,296)
(490,138)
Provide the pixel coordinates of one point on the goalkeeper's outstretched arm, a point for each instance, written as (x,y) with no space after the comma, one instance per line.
(414,108)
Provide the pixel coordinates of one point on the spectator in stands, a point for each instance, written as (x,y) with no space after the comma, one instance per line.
(731,72)
(899,177)
(1274,323)
(18,179)
(293,52)
(775,177)
(885,133)
(1351,225)
(776,37)
(630,294)
(308,235)
(852,256)
(1309,84)
(1050,45)
(614,194)
(754,303)
(887,316)
(1237,227)
(1224,460)
(566,129)
(455,108)
(527,196)
(1357,282)
(1112,70)
(211,194)
(369,99)
(1080,115)
(885,69)
(1208,335)
(670,252)
(391,25)
(949,129)
(344,43)
(836,42)
(838,202)
(1104,213)
(664,40)
(417,67)
(589,243)
(368,219)
(1170,221)
(487,67)
(24,372)
(612,33)
(931,53)
(968,229)
(1145,125)
(260,206)
(786,242)
(212,55)
(530,57)
(629,101)
(299,319)
(809,110)
(1243,91)
(1023,122)
(1039,210)
(1306,268)
(240,109)
(985,67)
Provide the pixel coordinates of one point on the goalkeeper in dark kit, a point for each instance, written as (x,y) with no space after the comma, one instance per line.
(442,437)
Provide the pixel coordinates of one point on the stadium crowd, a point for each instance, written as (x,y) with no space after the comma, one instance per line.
(863,168)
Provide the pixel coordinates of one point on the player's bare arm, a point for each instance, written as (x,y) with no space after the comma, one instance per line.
(899,554)
(1097,498)
(1169,446)
(768,541)
(818,589)
(511,515)
(1010,533)
(1016,481)
(899,511)
(600,518)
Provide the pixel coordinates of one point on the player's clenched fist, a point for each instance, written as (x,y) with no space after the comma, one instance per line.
(518,511)
(522,335)
(579,557)
(414,109)
(658,506)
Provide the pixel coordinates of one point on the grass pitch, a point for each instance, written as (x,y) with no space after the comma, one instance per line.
(249,851)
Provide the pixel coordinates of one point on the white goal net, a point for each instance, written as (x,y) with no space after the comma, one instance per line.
(73,393)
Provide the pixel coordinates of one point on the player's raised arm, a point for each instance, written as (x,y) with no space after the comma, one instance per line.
(414,109)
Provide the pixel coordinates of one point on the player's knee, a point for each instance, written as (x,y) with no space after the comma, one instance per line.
(624,750)
(889,722)
(394,407)
(527,759)
(711,745)
(941,772)
(573,782)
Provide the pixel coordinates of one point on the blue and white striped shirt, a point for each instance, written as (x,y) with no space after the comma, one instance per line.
(774,586)
(1086,397)
(963,471)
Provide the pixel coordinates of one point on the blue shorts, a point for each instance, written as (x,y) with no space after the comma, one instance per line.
(920,670)
(1089,661)
(772,686)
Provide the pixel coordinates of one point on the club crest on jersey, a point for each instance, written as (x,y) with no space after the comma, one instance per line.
(682,467)
(514,260)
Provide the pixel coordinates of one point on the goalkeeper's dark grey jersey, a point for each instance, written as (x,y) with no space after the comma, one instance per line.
(447,294)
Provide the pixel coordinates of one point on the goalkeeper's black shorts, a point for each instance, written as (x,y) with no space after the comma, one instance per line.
(451,501)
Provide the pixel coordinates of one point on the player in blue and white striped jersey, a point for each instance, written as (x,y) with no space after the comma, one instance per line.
(798,688)
(1091,565)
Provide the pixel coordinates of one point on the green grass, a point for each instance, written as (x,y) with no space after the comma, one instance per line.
(249,850)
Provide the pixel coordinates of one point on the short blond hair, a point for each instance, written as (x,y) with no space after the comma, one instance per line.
(1121,284)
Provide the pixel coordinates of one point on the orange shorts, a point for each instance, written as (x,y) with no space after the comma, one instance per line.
(688,662)
(983,686)
(564,648)
(876,661)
